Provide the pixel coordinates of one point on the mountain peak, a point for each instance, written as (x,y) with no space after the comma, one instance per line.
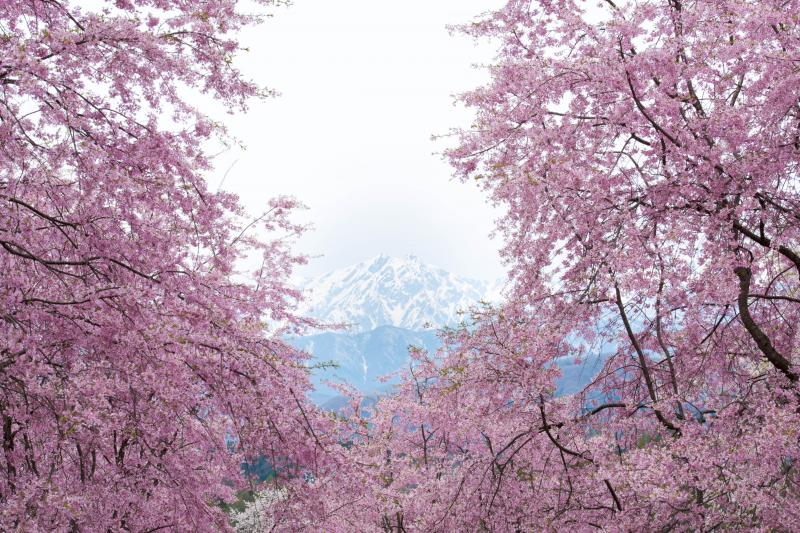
(378,262)
(382,260)
(403,292)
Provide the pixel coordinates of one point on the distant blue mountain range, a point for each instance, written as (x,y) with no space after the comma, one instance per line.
(362,358)
(404,298)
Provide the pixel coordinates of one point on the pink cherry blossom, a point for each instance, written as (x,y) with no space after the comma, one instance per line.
(138,367)
(646,154)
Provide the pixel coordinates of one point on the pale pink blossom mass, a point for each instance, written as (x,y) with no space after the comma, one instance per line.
(646,158)
(137,370)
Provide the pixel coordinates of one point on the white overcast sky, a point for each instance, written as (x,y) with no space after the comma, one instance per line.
(364,84)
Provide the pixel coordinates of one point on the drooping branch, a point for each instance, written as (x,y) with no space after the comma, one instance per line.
(662,343)
(780,362)
(553,438)
(647,115)
(767,242)
(613,494)
(651,389)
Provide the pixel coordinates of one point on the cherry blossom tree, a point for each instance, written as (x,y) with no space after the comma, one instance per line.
(255,517)
(647,157)
(138,367)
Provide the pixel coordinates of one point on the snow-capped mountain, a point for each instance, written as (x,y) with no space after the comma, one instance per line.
(393,304)
(401,292)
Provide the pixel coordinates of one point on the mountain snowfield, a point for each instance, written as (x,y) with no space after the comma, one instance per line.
(387,291)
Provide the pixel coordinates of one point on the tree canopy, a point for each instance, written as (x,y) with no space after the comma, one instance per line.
(646,154)
(138,368)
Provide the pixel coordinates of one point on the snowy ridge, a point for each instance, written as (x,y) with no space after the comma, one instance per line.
(404,293)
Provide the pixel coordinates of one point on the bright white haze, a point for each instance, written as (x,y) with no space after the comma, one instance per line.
(364,84)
